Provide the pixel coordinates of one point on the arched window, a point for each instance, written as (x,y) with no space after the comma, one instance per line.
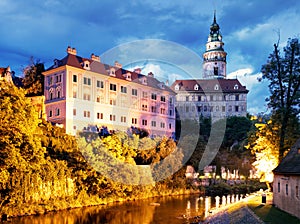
(196,87)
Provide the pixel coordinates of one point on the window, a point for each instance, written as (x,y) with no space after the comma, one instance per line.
(236,86)
(236,97)
(171,112)
(177,87)
(112,117)
(58,94)
(187,109)
(123,89)
(199,108)
(153,96)
(134,120)
(50,80)
(100,84)
(186,98)
(205,108)
(145,94)
(58,78)
(162,125)
(287,189)
(87,81)
(144,107)
(230,108)
(113,87)
(278,187)
(74,112)
(123,119)
(236,108)
(171,100)
(199,98)
(196,87)
(86,96)
(144,122)
(170,126)
(51,96)
(223,108)
(74,94)
(162,110)
(153,109)
(216,87)
(134,92)
(153,123)
(163,99)
(86,113)
(99,115)
(50,113)
(57,112)
(74,78)
(112,102)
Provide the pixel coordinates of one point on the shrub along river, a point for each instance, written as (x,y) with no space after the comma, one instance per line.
(169,209)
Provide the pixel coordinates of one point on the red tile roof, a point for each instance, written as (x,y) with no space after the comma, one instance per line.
(101,68)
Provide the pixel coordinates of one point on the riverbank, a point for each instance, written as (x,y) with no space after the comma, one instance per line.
(237,212)
(251,210)
(86,201)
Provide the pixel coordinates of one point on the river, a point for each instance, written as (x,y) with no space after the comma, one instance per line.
(170,209)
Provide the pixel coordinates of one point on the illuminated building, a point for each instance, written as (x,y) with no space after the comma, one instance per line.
(212,96)
(85,94)
(286,184)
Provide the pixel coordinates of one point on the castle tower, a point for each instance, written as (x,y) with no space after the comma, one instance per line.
(214,58)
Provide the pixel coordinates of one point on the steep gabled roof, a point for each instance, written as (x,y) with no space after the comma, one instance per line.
(290,164)
(208,85)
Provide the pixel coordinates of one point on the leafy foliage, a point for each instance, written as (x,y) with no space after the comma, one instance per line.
(33,80)
(283,73)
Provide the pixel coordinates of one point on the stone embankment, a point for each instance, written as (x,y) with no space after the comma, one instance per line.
(235,213)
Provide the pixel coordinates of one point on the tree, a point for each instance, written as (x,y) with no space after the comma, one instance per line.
(33,81)
(265,146)
(283,74)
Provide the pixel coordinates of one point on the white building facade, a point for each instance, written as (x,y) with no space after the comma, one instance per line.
(83,94)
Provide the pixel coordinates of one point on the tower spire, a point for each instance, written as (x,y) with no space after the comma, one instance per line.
(215,20)
(214,58)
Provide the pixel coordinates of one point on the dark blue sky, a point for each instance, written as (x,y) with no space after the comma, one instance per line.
(44,29)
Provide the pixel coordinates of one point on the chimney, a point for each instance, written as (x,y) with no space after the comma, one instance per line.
(95,57)
(150,74)
(118,65)
(71,50)
(137,70)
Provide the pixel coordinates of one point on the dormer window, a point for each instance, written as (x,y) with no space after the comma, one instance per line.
(196,87)
(112,72)
(236,86)
(216,87)
(161,85)
(55,63)
(86,65)
(144,80)
(176,87)
(128,76)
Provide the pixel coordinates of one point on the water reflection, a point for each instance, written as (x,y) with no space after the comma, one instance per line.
(176,209)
